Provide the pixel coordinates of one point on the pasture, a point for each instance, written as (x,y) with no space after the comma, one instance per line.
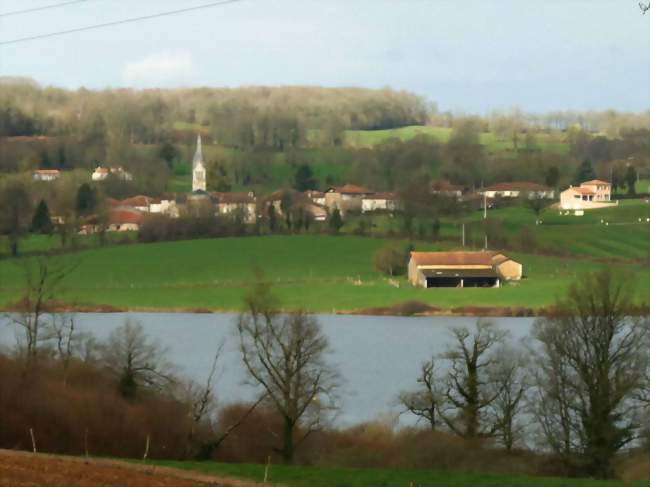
(319,273)
(363,477)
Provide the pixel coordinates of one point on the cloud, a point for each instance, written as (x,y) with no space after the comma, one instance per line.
(164,69)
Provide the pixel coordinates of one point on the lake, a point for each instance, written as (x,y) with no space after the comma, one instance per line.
(377,357)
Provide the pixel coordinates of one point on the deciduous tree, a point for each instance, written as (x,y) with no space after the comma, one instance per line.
(592,372)
(469,387)
(136,361)
(285,355)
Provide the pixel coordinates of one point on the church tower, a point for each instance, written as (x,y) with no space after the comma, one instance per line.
(198,168)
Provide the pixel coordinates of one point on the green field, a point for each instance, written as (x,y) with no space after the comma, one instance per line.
(368,138)
(358,477)
(318,273)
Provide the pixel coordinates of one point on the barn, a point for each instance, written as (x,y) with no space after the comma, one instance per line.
(462,269)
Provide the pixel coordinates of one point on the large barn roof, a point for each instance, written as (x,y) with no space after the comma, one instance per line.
(488,258)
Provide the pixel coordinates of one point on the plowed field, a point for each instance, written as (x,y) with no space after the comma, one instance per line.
(22,469)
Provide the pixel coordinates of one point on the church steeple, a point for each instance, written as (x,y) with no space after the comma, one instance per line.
(198,168)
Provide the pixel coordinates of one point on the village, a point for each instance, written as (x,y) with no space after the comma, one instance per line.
(429,269)
(127,214)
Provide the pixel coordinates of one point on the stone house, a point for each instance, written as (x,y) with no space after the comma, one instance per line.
(348,197)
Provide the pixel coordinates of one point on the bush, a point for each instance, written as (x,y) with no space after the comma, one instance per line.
(87,404)
(392,259)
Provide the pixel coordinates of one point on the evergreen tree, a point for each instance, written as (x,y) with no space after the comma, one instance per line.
(60,158)
(272,218)
(630,180)
(41,222)
(303,178)
(46,163)
(585,172)
(336,222)
(168,153)
(86,200)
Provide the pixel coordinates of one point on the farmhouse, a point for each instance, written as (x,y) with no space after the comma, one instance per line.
(380,202)
(346,198)
(445,188)
(239,205)
(46,174)
(318,197)
(101,173)
(122,220)
(462,269)
(296,201)
(589,195)
(516,189)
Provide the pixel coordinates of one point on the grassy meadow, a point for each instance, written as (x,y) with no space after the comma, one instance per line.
(318,273)
(359,477)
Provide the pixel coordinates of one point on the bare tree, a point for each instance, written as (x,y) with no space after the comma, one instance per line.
(424,401)
(286,356)
(593,372)
(136,361)
(536,204)
(468,383)
(644,7)
(68,341)
(43,278)
(509,385)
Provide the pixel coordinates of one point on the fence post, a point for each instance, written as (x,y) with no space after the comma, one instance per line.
(146,451)
(31,433)
(86,442)
(266,469)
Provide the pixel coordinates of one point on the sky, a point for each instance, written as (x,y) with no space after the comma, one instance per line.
(465,55)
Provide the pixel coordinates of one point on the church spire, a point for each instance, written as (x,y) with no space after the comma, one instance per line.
(198,168)
(198,155)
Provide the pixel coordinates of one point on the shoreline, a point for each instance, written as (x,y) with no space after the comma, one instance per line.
(404,310)
(408,309)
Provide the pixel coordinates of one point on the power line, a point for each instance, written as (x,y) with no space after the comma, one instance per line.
(36,9)
(118,22)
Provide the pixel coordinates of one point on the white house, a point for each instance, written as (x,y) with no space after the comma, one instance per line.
(46,174)
(445,188)
(381,202)
(516,189)
(101,173)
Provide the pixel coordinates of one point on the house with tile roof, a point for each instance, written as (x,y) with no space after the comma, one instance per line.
(348,197)
(589,195)
(381,202)
(462,269)
(515,189)
(46,174)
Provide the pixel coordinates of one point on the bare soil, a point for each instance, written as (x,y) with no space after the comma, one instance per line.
(22,469)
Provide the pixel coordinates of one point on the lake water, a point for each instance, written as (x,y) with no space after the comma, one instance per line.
(377,356)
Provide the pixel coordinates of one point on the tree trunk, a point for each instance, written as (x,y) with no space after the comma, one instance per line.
(287,449)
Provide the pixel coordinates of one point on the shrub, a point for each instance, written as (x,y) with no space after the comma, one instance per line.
(392,259)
